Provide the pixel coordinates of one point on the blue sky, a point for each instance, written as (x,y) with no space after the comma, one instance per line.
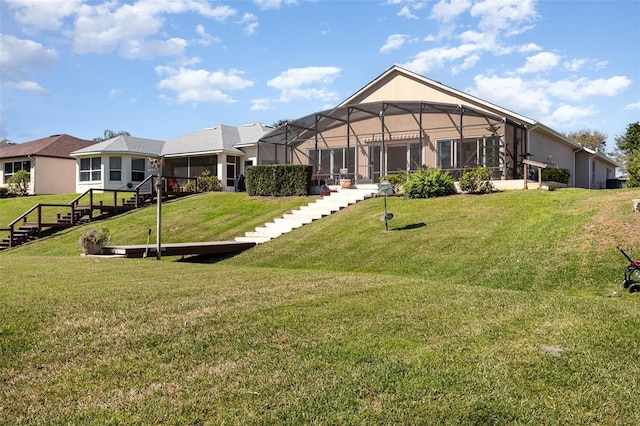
(164,68)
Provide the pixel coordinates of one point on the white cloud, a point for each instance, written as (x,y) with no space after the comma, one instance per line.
(446,11)
(543,61)
(394,42)
(495,21)
(634,105)
(132,29)
(438,57)
(193,86)
(251,22)
(19,57)
(574,64)
(546,100)
(405,12)
(530,47)
(260,104)
(205,38)
(28,86)
(273,4)
(514,93)
(41,15)
(469,62)
(582,88)
(507,15)
(294,83)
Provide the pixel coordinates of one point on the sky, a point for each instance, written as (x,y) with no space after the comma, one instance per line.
(160,69)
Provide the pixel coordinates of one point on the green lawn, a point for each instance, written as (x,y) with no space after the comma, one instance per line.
(492,309)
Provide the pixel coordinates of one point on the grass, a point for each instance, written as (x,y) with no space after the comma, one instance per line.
(495,311)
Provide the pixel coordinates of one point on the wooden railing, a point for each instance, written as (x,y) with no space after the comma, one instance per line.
(96,199)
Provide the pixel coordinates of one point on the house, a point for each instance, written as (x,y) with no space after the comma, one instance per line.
(124,161)
(52,169)
(402,120)
(223,150)
(115,164)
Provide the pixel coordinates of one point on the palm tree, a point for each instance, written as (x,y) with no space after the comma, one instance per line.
(110,134)
(281,123)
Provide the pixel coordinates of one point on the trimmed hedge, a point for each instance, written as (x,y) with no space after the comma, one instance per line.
(283,180)
(556,175)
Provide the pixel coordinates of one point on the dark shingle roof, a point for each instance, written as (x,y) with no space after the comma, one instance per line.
(59,146)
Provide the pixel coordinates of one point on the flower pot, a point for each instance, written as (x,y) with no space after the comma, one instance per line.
(345,183)
(92,248)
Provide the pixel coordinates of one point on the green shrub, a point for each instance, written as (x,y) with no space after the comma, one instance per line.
(397,180)
(429,183)
(283,180)
(205,182)
(4,192)
(19,183)
(477,181)
(556,175)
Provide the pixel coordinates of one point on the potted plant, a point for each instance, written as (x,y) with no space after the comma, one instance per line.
(93,240)
(345,181)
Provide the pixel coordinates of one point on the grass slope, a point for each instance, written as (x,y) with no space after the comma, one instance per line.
(461,320)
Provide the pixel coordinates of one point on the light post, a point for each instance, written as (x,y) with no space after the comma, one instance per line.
(385,188)
(157,164)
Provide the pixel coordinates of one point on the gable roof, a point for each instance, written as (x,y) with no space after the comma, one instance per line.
(398,72)
(58,146)
(217,139)
(123,144)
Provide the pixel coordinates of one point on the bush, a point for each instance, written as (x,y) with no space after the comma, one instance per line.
(556,175)
(397,180)
(205,183)
(19,183)
(477,181)
(429,183)
(4,192)
(279,181)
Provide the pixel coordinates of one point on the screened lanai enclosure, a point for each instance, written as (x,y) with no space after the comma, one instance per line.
(366,141)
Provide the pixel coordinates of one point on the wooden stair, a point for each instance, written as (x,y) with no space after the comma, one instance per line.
(75,214)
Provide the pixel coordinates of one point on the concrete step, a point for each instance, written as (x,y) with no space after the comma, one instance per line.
(298,218)
(257,240)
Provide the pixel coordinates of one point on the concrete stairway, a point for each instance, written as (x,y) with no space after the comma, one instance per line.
(306,214)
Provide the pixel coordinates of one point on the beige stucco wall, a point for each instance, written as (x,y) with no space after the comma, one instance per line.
(48,175)
(53,175)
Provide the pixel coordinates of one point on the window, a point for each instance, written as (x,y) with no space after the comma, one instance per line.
(472,153)
(90,169)
(491,152)
(200,164)
(11,168)
(233,169)
(445,154)
(115,169)
(330,161)
(138,169)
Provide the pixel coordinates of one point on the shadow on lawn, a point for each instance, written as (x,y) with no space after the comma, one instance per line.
(207,258)
(412,226)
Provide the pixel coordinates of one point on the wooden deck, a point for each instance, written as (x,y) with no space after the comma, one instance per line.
(179,249)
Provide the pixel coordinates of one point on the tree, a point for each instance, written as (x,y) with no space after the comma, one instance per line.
(591,139)
(19,183)
(629,147)
(110,134)
(281,123)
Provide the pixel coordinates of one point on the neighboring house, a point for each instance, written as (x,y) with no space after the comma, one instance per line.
(52,169)
(123,162)
(402,120)
(223,150)
(118,163)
